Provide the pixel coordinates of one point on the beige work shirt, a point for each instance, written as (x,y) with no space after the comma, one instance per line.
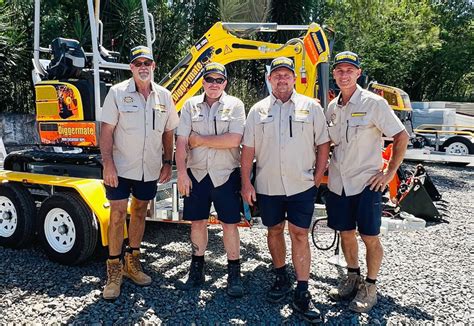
(225,116)
(356,130)
(285,136)
(139,126)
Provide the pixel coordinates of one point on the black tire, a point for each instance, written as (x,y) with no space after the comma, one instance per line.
(79,229)
(323,237)
(17,206)
(461,141)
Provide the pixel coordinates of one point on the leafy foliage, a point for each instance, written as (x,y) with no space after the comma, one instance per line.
(425,47)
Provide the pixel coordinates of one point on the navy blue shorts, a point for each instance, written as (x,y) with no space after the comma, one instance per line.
(139,189)
(226,199)
(298,208)
(362,211)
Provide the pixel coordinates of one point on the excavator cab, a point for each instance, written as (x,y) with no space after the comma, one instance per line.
(71,86)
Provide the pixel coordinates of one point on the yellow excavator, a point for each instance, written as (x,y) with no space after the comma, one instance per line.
(56,191)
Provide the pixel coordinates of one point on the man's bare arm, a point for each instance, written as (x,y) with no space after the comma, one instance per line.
(227,140)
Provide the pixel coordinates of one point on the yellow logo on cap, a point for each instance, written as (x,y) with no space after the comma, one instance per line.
(283,61)
(141,51)
(346,56)
(214,66)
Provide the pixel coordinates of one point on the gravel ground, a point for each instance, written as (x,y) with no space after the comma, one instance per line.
(426,278)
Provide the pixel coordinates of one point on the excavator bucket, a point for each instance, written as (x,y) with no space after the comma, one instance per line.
(420,197)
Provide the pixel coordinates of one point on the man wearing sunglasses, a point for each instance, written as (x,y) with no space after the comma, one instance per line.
(208,159)
(136,142)
(286,133)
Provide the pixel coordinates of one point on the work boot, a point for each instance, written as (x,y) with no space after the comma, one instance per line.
(347,288)
(133,269)
(365,299)
(235,287)
(196,276)
(304,307)
(280,288)
(114,279)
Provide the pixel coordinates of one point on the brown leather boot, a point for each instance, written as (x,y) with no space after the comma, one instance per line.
(114,279)
(133,269)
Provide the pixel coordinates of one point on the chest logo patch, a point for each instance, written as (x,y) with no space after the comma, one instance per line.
(358,114)
(160,107)
(128,99)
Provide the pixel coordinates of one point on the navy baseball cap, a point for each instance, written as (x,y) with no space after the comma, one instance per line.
(346,57)
(282,62)
(140,52)
(214,68)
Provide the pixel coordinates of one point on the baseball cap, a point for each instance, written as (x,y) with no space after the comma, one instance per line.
(214,68)
(282,62)
(140,52)
(346,57)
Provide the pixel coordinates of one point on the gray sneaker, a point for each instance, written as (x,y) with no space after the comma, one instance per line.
(365,299)
(347,289)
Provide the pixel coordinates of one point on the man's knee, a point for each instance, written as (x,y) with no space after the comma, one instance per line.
(118,212)
(348,235)
(229,228)
(276,230)
(297,233)
(199,225)
(371,241)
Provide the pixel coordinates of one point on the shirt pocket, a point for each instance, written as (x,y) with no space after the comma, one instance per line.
(222,123)
(198,124)
(356,127)
(265,126)
(159,118)
(129,117)
(334,132)
(301,125)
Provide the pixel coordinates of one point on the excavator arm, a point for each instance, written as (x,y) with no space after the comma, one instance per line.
(221,43)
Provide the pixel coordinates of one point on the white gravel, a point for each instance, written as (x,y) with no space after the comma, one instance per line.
(426,278)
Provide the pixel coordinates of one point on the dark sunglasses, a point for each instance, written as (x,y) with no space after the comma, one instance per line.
(211,80)
(147,63)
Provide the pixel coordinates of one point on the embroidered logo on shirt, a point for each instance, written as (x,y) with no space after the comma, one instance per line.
(224,111)
(301,114)
(332,120)
(358,114)
(128,99)
(160,107)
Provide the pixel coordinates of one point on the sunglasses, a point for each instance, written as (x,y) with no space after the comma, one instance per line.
(146,63)
(211,80)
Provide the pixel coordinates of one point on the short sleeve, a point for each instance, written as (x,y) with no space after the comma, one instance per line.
(321,134)
(237,118)
(110,112)
(184,126)
(249,130)
(386,120)
(173,119)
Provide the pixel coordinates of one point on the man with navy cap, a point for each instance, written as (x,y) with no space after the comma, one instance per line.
(136,143)
(356,120)
(208,159)
(286,133)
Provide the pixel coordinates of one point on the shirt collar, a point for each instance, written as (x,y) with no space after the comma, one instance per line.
(292,97)
(132,87)
(355,98)
(201,98)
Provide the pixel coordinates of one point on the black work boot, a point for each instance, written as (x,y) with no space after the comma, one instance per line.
(235,288)
(280,288)
(196,276)
(303,306)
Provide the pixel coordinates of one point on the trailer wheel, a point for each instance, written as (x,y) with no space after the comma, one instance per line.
(68,231)
(17,215)
(458,146)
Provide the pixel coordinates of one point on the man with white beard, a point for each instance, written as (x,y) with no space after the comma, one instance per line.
(136,143)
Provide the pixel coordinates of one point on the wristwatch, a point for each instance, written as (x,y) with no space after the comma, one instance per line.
(170,162)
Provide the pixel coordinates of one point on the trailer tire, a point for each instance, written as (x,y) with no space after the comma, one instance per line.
(68,230)
(17,215)
(458,145)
